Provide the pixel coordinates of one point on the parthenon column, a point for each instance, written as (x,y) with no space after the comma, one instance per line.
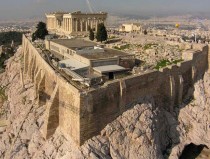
(67,24)
(86,24)
(70,24)
(54,23)
(49,23)
(91,23)
(81,25)
(97,25)
(63,24)
(76,25)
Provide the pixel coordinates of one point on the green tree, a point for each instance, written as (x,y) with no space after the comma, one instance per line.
(145,32)
(41,31)
(101,34)
(91,34)
(7,37)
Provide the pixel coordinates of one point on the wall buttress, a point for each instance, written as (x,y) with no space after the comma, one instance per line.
(51,115)
(122,96)
(180,93)
(172,93)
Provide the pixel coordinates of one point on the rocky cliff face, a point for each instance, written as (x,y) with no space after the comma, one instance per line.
(144,132)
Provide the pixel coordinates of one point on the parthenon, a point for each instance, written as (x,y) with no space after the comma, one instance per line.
(73,23)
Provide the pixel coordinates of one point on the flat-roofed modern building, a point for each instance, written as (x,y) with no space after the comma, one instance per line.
(90,60)
(65,23)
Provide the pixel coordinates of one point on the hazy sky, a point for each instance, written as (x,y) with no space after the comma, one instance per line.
(11,9)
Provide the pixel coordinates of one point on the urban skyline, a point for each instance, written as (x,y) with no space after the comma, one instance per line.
(26,9)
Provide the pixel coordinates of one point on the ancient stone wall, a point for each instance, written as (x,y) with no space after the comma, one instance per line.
(82,114)
(62,100)
(169,86)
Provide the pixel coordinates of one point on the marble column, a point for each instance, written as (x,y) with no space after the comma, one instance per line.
(67,24)
(53,21)
(76,26)
(96,25)
(91,24)
(49,22)
(71,25)
(86,25)
(88,22)
(81,25)
(64,24)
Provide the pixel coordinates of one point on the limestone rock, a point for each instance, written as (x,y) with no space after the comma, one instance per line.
(143,132)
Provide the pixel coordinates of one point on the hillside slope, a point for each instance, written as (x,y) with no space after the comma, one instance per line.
(144,132)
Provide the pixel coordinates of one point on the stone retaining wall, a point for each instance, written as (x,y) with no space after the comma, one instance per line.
(81,114)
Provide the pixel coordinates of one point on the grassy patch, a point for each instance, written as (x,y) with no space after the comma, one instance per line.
(165,62)
(122,75)
(24,100)
(112,37)
(149,46)
(138,45)
(188,128)
(3,95)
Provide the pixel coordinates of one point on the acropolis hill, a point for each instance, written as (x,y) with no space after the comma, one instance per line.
(82,113)
(141,94)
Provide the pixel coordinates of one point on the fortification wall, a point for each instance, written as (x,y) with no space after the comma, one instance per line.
(61,99)
(82,114)
(169,86)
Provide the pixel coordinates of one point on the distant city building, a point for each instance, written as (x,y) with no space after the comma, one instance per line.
(74,23)
(133,27)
